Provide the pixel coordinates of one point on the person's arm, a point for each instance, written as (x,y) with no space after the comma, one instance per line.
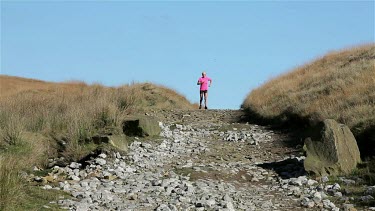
(210,82)
(199,82)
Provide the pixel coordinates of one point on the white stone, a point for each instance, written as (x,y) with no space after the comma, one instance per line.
(311,182)
(100,161)
(47,187)
(75,178)
(325,179)
(336,186)
(306,202)
(74,165)
(338,194)
(102,155)
(317,197)
(229,206)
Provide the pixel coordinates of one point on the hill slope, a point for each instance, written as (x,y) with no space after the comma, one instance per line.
(11,85)
(75,111)
(340,86)
(146,95)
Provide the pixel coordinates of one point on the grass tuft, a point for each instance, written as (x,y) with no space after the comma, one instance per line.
(10,183)
(11,130)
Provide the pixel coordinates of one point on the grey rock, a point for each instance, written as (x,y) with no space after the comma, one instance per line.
(84,184)
(328,204)
(100,161)
(267,205)
(47,187)
(331,149)
(78,194)
(370,190)
(210,203)
(75,178)
(66,188)
(348,181)
(325,179)
(38,179)
(311,182)
(306,202)
(102,155)
(141,126)
(366,198)
(229,206)
(336,187)
(75,165)
(317,197)
(338,194)
(163,207)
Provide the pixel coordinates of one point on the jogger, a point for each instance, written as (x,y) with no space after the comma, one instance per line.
(203,91)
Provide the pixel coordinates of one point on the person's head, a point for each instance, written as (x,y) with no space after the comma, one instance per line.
(203,74)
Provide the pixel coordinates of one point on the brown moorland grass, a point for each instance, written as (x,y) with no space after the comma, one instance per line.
(11,84)
(40,120)
(339,85)
(75,111)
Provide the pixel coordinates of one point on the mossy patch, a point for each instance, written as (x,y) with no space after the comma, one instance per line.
(36,198)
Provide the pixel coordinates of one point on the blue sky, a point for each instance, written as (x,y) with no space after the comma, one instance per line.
(239,44)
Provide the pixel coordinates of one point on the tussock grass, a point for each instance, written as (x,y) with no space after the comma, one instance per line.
(10,182)
(11,132)
(339,85)
(40,120)
(15,194)
(73,112)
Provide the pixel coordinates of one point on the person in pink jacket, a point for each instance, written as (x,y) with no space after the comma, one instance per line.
(203,82)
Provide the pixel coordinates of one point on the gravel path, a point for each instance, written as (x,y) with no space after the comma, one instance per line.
(202,161)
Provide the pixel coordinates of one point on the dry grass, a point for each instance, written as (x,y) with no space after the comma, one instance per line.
(73,112)
(341,85)
(155,97)
(15,194)
(10,182)
(30,150)
(40,120)
(10,85)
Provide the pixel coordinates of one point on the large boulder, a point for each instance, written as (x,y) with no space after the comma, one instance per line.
(331,149)
(141,126)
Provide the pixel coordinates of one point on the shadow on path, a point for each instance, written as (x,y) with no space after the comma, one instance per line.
(286,169)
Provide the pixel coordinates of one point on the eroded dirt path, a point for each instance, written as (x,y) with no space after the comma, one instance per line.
(204,160)
(254,164)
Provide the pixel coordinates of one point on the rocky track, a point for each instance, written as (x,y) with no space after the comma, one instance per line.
(204,160)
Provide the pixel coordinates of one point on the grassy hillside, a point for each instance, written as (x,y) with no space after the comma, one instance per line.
(36,117)
(339,85)
(74,110)
(10,85)
(147,96)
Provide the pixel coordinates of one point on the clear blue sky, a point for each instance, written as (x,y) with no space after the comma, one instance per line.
(239,44)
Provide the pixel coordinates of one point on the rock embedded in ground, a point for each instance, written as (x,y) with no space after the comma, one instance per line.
(331,149)
(141,126)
